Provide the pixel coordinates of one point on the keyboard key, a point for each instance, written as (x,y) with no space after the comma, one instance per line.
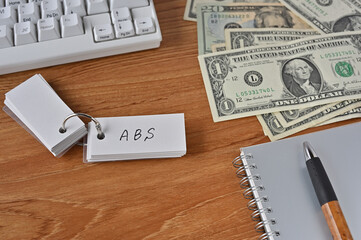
(103,32)
(6,37)
(71,25)
(24,33)
(48,29)
(128,3)
(14,3)
(98,19)
(124,29)
(97,6)
(37,2)
(144,25)
(121,14)
(74,6)
(7,16)
(28,12)
(51,8)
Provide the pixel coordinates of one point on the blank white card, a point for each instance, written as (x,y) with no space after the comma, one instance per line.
(137,137)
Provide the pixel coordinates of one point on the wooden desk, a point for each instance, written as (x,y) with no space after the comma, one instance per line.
(193,197)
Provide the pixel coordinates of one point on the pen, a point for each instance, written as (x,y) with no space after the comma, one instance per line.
(326,195)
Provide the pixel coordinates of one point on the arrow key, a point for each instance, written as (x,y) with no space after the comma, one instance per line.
(144,25)
(103,32)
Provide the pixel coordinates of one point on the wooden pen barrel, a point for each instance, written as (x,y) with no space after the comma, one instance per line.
(336,221)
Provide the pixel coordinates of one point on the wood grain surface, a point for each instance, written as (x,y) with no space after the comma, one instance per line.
(193,197)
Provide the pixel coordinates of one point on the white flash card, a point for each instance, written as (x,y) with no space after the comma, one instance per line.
(37,107)
(137,137)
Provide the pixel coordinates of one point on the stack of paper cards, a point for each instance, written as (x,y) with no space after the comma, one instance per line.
(37,107)
(137,137)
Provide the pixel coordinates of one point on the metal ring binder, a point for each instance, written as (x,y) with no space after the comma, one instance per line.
(259,212)
(100,135)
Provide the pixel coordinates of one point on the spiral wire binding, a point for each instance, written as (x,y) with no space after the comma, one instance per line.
(260,226)
(244,183)
(248,193)
(266,235)
(252,205)
(241,171)
(256,215)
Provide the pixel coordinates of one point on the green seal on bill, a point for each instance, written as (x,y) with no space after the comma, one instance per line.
(344,69)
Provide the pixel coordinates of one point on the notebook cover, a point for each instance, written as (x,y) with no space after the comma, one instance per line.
(283,173)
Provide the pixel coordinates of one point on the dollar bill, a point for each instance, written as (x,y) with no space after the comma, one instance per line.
(291,117)
(354,113)
(274,130)
(213,19)
(328,15)
(258,80)
(220,47)
(238,37)
(190,12)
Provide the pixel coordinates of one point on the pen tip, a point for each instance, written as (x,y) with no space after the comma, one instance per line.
(308,151)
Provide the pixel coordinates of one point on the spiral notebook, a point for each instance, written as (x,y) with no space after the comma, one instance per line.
(276,182)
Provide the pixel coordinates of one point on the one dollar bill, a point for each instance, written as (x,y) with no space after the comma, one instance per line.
(190,12)
(291,117)
(239,38)
(328,15)
(301,74)
(274,129)
(354,113)
(213,19)
(220,47)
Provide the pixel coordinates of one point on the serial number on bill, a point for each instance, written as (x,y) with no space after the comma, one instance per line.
(338,54)
(254,92)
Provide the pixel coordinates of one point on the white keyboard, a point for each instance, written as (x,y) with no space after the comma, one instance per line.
(40,33)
